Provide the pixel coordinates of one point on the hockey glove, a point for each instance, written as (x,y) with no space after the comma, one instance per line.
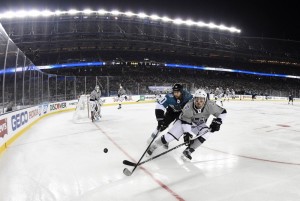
(215,124)
(187,137)
(161,126)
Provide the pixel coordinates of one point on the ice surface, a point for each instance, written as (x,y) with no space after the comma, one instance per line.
(255,156)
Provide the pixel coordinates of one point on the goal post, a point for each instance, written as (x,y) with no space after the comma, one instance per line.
(82,112)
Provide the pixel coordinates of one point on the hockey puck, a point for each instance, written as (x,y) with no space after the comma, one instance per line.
(105,150)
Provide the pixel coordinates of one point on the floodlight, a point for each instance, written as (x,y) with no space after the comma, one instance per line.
(73,12)
(102,12)
(115,12)
(9,15)
(222,27)
(21,13)
(201,24)
(142,15)
(154,17)
(46,13)
(178,21)
(34,13)
(190,22)
(212,25)
(166,19)
(129,13)
(58,12)
(87,11)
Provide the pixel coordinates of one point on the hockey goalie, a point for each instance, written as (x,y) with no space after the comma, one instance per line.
(95,103)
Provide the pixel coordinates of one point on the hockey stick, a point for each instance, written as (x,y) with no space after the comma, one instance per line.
(128,172)
(126,162)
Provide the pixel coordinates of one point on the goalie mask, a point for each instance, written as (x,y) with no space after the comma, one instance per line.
(97,88)
(200,97)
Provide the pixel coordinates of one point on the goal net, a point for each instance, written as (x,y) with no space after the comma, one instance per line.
(82,112)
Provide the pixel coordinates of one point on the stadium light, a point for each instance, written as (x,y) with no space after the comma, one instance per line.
(178,21)
(46,13)
(58,12)
(233,29)
(34,13)
(212,25)
(154,17)
(200,24)
(222,27)
(21,14)
(129,13)
(115,12)
(102,12)
(142,15)
(88,11)
(190,22)
(9,15)
(73,12)
(230,70)
(166,19)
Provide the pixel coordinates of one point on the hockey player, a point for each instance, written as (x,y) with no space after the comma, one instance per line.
(253,96)
(232,94)
(218,95)
(291,99)
(121,93)
(95,103)
(227,93)
(192,122)
(169,108)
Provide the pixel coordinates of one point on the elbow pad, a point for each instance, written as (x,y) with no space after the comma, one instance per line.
(160,114)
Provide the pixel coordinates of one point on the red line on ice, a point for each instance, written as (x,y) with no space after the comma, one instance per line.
(164,186)
(253,158)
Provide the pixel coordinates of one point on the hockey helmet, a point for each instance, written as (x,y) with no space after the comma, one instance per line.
(200,97)
(177,87)
(200,93)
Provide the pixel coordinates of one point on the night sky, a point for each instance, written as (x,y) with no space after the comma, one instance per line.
(254,18)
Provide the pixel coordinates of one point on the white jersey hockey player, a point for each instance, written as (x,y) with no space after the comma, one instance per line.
(192,122)
(232,94)
(218,95)
(95,103)
(226,96)
(121,96)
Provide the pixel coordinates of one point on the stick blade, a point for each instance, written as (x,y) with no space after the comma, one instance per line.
(127,172)
(126,162)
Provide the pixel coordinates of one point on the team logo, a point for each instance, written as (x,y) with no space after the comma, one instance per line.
(186,107)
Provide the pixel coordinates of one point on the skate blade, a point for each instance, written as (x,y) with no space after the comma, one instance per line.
(185,159)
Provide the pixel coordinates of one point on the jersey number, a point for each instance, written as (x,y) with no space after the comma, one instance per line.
(162,101)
